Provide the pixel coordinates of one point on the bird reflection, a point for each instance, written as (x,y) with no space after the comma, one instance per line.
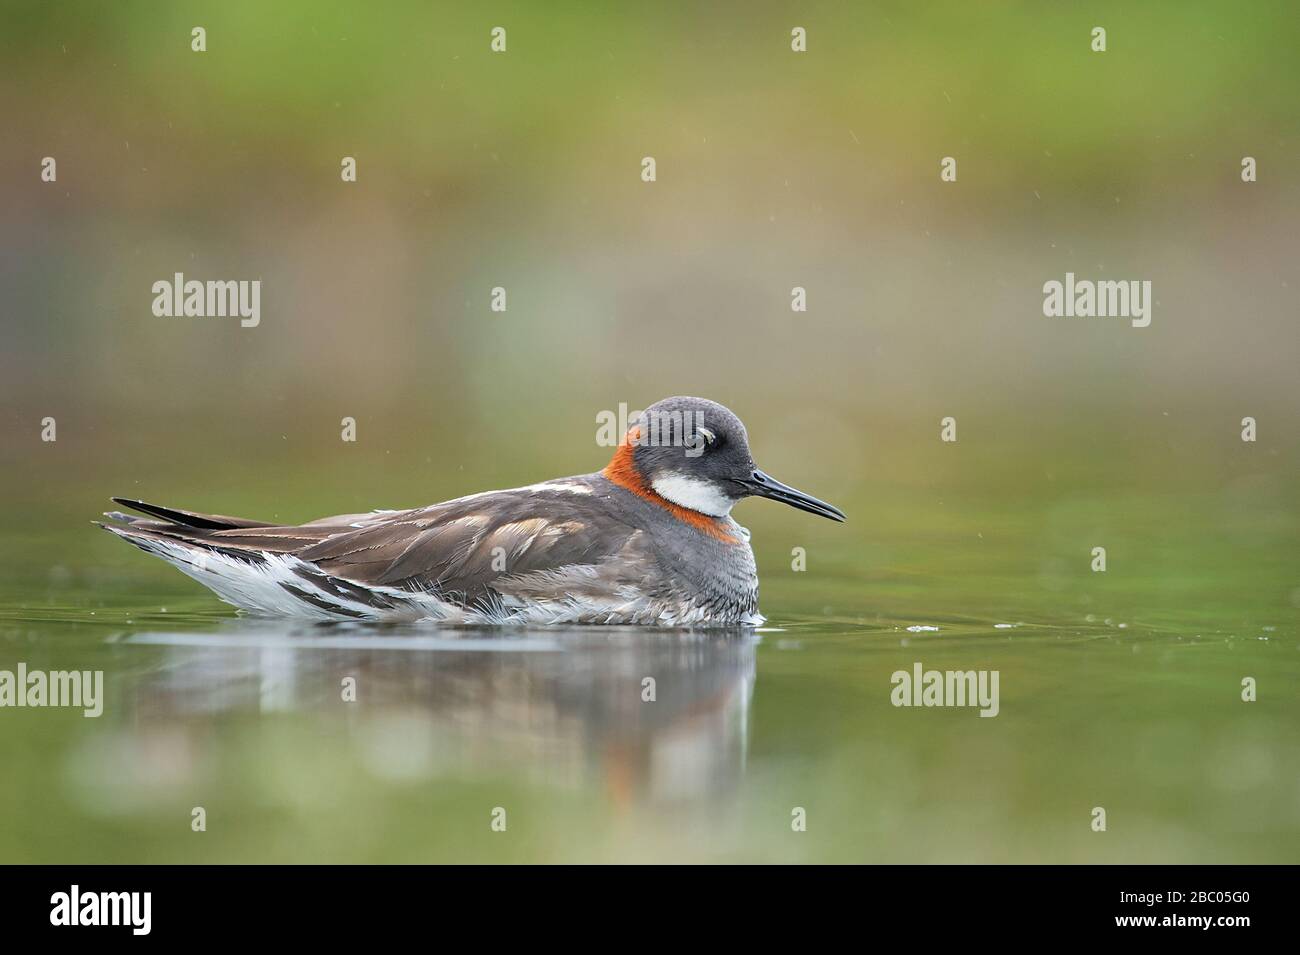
(657,717)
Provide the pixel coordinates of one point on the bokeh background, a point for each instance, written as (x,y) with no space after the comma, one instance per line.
(775,170)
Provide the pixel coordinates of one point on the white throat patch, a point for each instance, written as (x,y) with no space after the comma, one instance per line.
(693,493)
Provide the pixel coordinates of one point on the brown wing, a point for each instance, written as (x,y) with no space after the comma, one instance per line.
(465,548)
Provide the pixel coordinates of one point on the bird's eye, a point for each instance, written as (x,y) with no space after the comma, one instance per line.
(709,437)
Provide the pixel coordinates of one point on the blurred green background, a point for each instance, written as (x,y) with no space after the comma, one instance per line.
(775,170)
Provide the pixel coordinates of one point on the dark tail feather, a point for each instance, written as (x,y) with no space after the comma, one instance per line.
(209,522)
(148,538)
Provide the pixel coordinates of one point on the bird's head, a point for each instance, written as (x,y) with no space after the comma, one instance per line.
(695,453)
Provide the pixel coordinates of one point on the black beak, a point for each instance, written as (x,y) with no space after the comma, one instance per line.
(760,485)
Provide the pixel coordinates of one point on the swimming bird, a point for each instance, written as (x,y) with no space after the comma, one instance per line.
(648,540)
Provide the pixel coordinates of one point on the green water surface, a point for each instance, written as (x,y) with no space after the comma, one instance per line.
(1120,690)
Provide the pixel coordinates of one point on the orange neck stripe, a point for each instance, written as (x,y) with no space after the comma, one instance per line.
(622,470)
